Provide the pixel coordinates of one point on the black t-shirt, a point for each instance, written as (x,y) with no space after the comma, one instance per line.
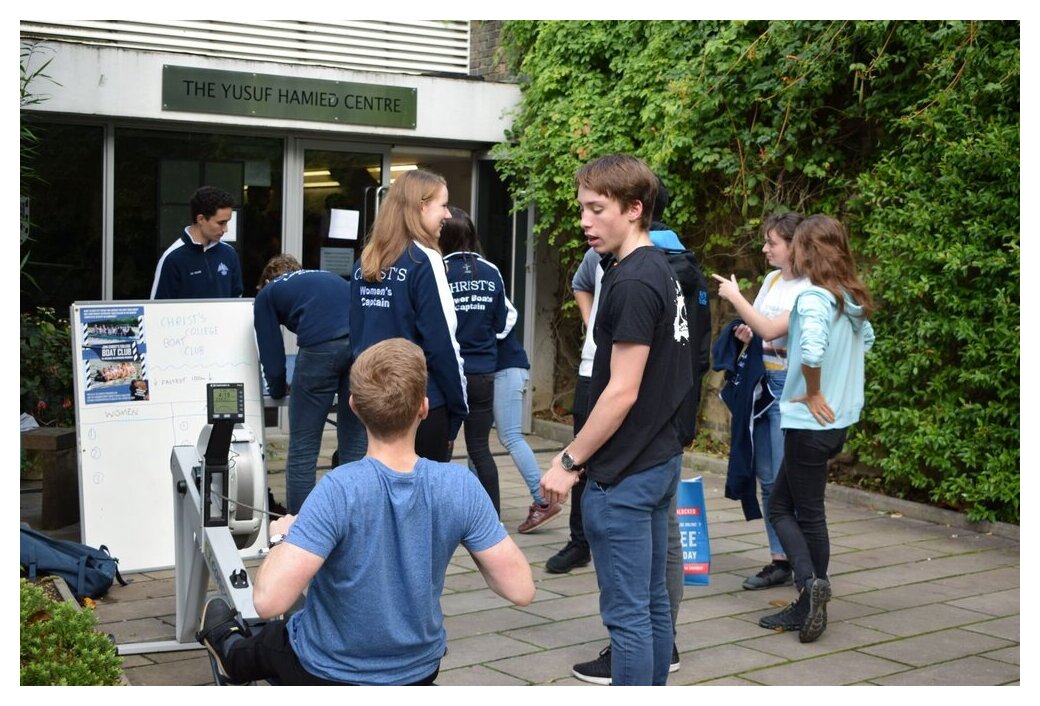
(641,302)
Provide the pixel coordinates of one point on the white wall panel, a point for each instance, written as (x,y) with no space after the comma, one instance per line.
(127,83)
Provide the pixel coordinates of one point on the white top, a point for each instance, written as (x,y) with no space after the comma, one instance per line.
(777,296)
(588,350)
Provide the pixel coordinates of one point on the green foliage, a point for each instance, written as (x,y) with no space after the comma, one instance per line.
(942,218)
(907,131)
(739,118)
(28,75)
(59,645)
(28,139)
(46,368)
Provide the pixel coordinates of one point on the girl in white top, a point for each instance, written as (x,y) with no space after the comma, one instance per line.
(768,318)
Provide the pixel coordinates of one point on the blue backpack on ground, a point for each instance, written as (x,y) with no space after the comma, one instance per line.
(89,572)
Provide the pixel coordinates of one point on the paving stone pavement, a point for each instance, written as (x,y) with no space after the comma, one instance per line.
(916,602)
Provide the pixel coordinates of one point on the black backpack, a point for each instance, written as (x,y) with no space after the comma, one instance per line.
(698,314)
(89,572)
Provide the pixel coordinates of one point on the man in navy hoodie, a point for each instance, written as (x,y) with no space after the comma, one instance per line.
(313,304)
(198,265)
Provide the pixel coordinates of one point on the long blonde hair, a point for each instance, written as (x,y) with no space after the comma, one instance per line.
(399,222)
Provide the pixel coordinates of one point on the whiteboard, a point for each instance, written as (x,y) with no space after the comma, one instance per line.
(141,369)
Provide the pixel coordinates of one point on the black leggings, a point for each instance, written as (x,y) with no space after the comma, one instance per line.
(267,654)
(796,503)
(480,394)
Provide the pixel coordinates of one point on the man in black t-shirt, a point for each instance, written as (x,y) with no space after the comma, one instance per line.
(629,446)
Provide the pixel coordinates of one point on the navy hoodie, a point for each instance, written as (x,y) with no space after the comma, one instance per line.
(484,313)
(412,300)
(313,304)
(187,271)
(511,354)
(745,372)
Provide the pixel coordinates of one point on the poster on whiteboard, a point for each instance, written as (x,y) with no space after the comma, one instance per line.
(141,370)
(113,354)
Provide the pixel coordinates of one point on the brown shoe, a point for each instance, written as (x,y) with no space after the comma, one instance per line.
(538,515)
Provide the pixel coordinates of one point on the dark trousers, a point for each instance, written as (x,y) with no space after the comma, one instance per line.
(580,412)
(480,395)
(796,505)
(431,439)
(267,654)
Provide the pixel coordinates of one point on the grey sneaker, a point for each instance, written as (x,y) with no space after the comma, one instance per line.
(772,574)
(819,592)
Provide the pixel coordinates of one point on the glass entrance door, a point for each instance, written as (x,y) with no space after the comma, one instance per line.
(340,189)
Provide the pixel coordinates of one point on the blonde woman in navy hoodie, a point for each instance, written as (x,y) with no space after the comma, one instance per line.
(400,290)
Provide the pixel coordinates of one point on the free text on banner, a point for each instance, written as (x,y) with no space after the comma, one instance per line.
(693,529)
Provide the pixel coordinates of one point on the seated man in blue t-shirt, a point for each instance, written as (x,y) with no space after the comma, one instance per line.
(373,541)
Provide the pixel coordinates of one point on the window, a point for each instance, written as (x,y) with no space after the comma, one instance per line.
(62,200)
(155,175)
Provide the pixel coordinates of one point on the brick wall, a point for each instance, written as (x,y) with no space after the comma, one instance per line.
(483,45)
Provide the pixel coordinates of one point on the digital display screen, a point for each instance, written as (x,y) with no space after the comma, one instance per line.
(225,401)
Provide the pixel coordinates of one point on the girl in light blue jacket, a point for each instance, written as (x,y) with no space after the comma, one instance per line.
(829,333)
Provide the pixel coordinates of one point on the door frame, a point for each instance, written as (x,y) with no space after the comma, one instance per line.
(292,206)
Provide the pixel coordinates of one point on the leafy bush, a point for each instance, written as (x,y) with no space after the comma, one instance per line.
(906,130)
(46,368)
(942,216)
(59,645)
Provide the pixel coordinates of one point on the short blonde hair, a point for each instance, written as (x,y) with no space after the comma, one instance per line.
(388,384)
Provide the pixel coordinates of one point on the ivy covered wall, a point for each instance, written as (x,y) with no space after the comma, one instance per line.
(907,131)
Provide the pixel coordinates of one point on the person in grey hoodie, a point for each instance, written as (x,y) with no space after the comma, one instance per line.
(829,333)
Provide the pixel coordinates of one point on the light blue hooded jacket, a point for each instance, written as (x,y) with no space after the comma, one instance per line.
(820,337)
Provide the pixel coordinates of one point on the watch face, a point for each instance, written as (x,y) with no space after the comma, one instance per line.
(567,461)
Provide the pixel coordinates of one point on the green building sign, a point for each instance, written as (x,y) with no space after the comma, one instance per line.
(264,96)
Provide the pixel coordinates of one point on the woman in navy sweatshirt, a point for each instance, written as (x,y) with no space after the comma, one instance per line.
(400,290)
(484,314)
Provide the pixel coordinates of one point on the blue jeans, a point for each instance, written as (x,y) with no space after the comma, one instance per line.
(627,526)
(322,371)
(768,440)
(510,385)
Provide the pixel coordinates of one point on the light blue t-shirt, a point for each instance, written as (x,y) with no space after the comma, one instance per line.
(373,613)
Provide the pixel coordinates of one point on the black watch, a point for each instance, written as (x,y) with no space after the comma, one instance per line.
(568,462)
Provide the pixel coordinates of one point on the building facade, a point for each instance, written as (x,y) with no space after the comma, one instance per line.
(306,124)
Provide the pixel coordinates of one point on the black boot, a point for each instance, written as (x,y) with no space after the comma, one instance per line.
(818,592)
(792,617)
